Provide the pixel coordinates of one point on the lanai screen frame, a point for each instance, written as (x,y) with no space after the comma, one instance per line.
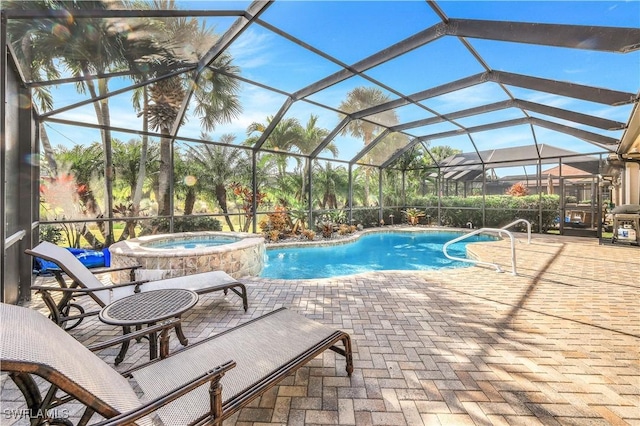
(604,39)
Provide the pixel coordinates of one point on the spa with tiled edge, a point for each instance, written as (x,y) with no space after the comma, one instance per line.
(174,255)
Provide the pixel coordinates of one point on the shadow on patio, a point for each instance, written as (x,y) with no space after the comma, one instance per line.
(557,344)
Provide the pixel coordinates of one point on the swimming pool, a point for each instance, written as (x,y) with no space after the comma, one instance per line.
(379,251)
(190,243)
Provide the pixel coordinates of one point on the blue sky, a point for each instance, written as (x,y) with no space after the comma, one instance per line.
(353,30)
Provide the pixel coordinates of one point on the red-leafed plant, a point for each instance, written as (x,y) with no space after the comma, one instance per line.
(517,190)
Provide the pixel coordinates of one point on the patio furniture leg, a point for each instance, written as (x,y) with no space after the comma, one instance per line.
(181,337)
(164,343)
(346,352)
(125,346)
(153,345)
(242,293)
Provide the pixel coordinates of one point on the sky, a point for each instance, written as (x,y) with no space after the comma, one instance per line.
(351,31)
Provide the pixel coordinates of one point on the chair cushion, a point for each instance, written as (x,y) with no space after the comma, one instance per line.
(29,339)
(200,283)
(273,342)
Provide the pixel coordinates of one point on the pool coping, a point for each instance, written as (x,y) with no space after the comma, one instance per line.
(354,237)
(136,245)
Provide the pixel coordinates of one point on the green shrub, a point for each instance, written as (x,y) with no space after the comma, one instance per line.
(50,233)
(186,224)
(500,210)
(367,217)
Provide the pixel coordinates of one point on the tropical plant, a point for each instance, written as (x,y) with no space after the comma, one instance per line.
(331,185)
(413,215)
(518,189)
(326,228)
(278,221)
(299,214)
(309,139)
(246,197)
(71,44)
(51,233)
(213,95)
(218,165)
(281,138)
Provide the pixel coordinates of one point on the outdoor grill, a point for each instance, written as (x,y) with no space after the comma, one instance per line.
(626,224)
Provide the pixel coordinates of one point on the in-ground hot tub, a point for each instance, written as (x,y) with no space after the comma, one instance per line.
(187,253)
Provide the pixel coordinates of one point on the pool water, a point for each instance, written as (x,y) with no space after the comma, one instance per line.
(190,243)
(373,252)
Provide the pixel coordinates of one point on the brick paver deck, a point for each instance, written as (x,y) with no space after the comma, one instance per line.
(558,344)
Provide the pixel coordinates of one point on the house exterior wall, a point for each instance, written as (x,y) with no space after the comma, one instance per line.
(632,184)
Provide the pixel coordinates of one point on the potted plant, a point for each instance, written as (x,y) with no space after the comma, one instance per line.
(413,215)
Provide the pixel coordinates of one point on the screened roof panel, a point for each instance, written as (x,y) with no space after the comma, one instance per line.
(586,67)
(619,113)
(568,142)
(441,148)
(490,117)
(436,63)
(454,58)
(407,114)
(507,137)
(473,96)
(97,41)
(270,59)
(316,123)
(614,14)
(604,132)
(437,130)
(350,141)
(385,148)
(328,25)
(338,94)
(257,105)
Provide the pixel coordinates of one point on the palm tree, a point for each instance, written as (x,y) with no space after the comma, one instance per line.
(73,44)
(441,152)
(360,99)
(331,183)
(20,34)
(214,94)
(310,137)
(282,138)
(289,136)
(218,165)
(128,158)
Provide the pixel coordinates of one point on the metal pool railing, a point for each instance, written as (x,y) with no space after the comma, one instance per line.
(499,231)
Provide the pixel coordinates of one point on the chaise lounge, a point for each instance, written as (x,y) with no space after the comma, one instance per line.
(86,283)
(202,384)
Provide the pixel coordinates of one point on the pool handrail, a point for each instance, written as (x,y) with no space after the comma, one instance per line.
(500,231)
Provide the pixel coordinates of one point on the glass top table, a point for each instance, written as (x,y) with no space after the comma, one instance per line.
(148,308)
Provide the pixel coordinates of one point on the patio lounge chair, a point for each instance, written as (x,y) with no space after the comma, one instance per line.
(86,283)
(185,388)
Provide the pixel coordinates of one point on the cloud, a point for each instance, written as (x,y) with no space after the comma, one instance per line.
(252,50)
(469,97)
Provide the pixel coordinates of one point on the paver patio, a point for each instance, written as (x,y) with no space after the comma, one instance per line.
(559,344)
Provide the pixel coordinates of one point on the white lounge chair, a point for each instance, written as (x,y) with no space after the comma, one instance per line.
(84,282)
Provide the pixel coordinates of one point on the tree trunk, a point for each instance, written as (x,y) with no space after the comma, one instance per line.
(164,193)
(142,167)
(98,107)
(48,150)
(189,201)
(108,164)
(221,196)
